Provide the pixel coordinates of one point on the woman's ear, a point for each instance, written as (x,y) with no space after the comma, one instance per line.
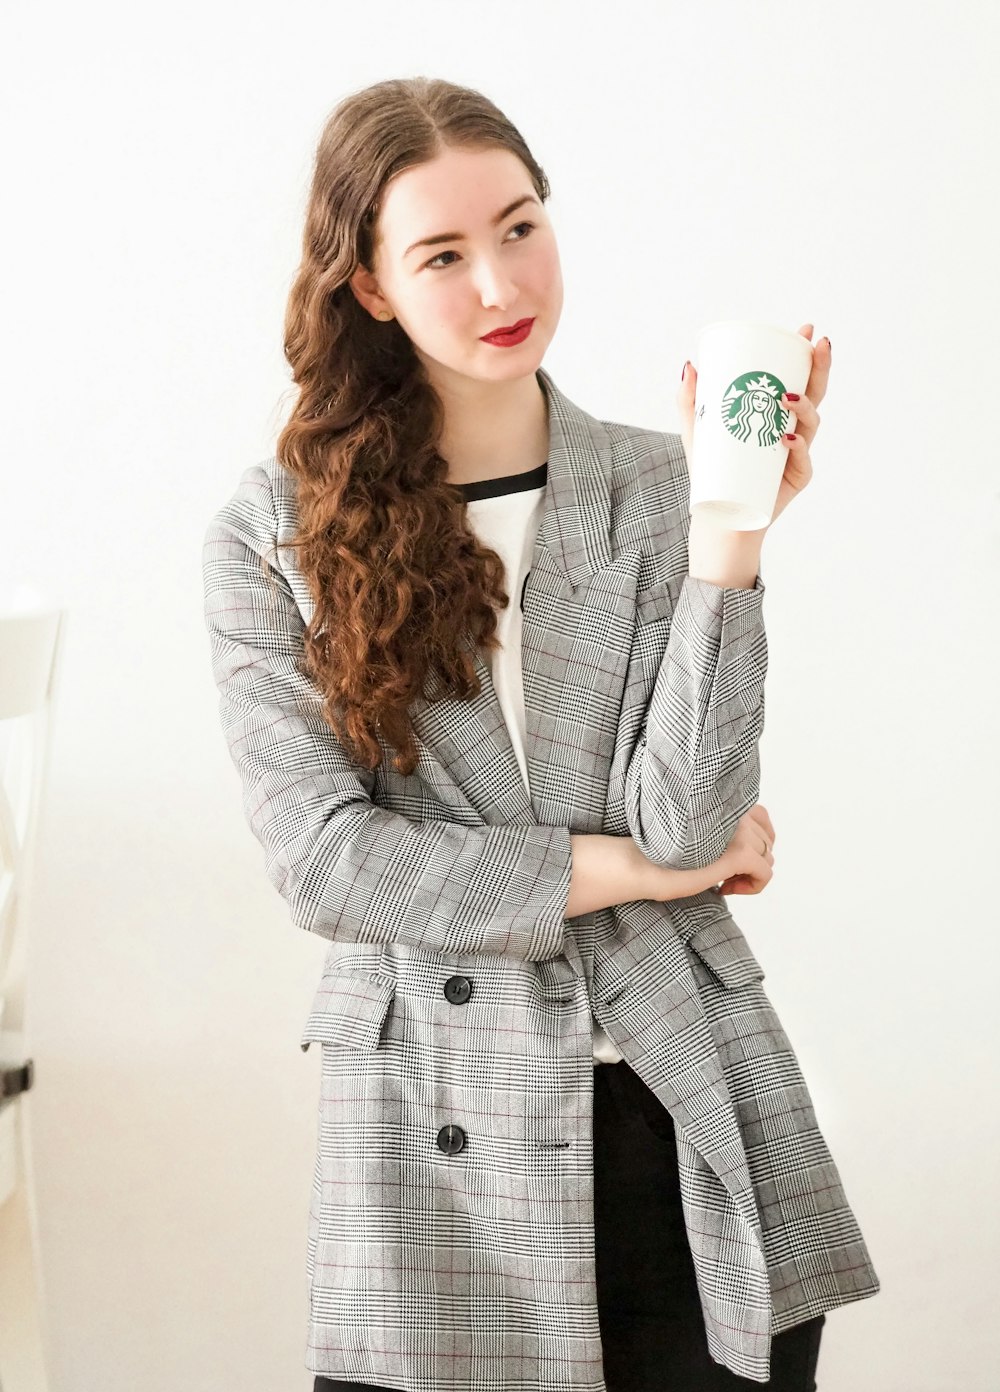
(366,291)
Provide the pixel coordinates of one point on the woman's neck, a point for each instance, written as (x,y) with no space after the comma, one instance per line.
(491,434)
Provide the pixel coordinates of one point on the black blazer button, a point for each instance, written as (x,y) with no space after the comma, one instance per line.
(451,1139)
(457,989)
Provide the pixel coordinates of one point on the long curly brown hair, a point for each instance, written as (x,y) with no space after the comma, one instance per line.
(400,583)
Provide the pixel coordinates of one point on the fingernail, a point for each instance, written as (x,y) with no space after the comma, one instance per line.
(791,396)
(789,437)
(684,369)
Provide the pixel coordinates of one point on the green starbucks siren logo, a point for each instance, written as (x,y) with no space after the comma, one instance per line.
(752,410)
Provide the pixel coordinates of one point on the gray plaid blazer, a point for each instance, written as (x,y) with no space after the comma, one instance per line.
(450,1232)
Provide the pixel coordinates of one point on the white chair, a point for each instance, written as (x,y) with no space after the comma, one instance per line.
(31,645)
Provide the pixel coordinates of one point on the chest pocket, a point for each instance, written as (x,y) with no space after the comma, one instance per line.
(659,601)
(349,1010)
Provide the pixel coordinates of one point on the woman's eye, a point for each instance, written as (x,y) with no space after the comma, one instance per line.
(430,263)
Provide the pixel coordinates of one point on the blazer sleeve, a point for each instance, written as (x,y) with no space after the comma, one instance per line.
(695,770)
(348,869)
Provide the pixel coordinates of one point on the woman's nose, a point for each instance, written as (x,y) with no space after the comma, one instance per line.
(495,287)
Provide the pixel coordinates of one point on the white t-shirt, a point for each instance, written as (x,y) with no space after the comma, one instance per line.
(505,513)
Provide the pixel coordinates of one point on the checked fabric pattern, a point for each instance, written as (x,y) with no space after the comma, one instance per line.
(470,1266)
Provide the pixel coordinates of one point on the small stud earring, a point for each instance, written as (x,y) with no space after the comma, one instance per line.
(384,314)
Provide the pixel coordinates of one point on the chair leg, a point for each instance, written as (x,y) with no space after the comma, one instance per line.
(22,1345)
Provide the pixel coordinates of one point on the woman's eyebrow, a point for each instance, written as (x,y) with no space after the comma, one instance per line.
(460,236)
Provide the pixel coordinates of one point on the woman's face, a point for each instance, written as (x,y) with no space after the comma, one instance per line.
(484,275)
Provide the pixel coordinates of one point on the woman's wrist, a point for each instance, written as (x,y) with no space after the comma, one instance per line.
(723,556)
(662,882)
(608,870)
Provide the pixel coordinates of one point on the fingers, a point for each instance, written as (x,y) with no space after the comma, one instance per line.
(685,407)
(798,471)
(761,815)
(820,374)
(807,418)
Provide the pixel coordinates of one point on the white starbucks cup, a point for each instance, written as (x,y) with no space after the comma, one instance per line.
(738,458)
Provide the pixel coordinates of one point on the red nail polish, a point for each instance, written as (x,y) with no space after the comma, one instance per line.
(789,437)
(792,396)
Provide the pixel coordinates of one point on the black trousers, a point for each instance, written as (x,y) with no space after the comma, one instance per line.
(652,1327)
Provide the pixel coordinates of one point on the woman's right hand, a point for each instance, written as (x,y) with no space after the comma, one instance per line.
(746,865)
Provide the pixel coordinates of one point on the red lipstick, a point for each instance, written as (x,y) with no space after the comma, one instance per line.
(507,338)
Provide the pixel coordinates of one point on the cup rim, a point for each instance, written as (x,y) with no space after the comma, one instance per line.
(755,324)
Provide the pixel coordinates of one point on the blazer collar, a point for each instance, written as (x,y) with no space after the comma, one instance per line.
(575,525)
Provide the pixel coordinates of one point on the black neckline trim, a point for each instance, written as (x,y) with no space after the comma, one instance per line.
(510,483)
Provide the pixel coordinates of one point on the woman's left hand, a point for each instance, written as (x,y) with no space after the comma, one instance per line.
(798,465)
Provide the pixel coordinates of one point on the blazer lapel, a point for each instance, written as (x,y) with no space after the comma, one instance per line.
(563,644)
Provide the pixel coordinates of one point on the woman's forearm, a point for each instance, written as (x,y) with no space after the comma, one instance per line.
(611,870)
(723,556)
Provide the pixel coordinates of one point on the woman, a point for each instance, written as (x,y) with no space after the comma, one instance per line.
(495,700)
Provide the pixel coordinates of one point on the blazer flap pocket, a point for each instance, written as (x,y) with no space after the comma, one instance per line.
(349,1009)
(722,948)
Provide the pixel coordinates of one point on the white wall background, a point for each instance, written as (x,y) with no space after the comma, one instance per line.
(784,161)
